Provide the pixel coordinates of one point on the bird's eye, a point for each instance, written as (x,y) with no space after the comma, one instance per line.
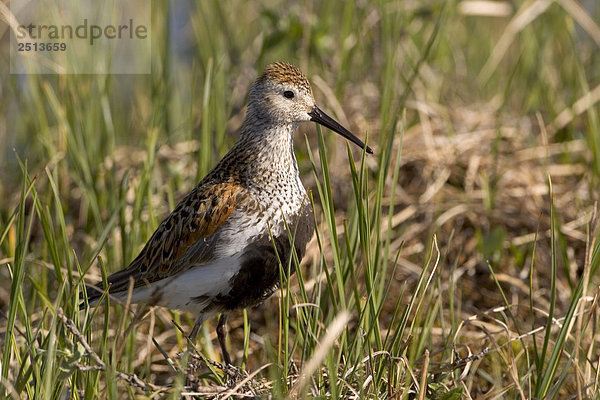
(288,94)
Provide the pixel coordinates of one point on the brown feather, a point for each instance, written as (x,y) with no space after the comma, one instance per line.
(196,218)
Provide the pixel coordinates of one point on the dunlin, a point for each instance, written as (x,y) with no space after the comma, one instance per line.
(220,248)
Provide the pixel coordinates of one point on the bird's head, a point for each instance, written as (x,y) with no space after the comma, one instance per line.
(282,95)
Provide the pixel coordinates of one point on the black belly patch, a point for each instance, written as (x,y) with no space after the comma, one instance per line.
(258,277)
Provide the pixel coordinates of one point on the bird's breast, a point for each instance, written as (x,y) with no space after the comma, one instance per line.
(263,256)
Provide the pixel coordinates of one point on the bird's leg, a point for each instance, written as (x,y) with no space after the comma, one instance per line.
(196,327)
(221,335)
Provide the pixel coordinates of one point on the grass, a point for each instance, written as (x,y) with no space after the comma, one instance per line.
(460,261)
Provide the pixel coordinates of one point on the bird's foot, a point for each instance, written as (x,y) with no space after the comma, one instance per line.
(234,375)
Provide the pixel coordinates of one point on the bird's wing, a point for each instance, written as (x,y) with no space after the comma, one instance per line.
(188,227)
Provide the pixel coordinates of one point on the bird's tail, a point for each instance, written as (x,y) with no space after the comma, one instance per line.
(93,294)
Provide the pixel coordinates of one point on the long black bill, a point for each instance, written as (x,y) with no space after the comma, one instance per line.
(320,117)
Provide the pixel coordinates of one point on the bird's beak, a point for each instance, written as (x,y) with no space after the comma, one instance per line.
(318,116)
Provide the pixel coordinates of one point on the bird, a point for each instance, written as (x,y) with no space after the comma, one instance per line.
(221,247)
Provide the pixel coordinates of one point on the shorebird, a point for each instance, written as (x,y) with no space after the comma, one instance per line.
(220,248)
